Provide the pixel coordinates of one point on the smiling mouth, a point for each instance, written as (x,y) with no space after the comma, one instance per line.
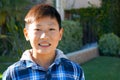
(44,45)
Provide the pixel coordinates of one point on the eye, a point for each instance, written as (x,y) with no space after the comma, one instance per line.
(51,29)
(37,30)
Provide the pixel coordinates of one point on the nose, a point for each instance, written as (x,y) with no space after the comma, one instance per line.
(43,35)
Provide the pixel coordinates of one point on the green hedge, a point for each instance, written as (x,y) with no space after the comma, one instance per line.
(109,44)
(100,20)
(11,31)
(72,37)
(15,41)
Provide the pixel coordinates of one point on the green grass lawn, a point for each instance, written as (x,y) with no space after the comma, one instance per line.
(100,68)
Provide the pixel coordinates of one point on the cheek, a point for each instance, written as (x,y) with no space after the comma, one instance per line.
(55,39)
(32,34)
(56,35)
(33,38)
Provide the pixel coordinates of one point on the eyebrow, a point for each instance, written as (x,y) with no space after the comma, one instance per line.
(45,23)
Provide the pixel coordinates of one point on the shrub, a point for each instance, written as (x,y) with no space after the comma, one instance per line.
(109,44)
(11,19)
(16,38)
(72,36)
(99,20)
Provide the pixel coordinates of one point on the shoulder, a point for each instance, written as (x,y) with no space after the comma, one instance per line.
(18,65)
(72,68)
(68,64)
(10,71)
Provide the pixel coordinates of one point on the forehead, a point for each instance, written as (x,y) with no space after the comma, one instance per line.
(45,21)
(47,18)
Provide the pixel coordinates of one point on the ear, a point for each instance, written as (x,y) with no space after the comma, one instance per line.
(25,31)
(61,33)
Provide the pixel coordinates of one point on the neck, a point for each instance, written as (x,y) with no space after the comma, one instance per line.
(44,60)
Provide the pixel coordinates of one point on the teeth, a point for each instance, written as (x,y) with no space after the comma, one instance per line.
(44,44)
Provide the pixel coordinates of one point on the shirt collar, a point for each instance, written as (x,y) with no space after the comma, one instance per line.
(59,56)
(27,57)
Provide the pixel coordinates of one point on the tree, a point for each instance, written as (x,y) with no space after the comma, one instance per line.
(11,12)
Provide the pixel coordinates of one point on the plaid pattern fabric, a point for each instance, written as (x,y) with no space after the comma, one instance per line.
(61,69)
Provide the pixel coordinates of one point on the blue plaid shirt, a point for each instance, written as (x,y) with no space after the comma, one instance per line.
(27,69)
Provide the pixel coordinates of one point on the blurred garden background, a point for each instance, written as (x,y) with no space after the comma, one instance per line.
(83,26)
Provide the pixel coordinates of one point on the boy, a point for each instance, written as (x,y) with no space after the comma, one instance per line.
(43,62)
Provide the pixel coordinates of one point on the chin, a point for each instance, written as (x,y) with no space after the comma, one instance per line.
(43,51)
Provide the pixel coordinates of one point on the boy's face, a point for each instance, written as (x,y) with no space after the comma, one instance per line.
(44,35)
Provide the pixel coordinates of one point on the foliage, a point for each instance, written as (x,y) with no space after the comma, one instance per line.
(8,59)
(11,18)
(10,8)
(16,38)
(109,44)
(72,37)
(100,20)
(111,8)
